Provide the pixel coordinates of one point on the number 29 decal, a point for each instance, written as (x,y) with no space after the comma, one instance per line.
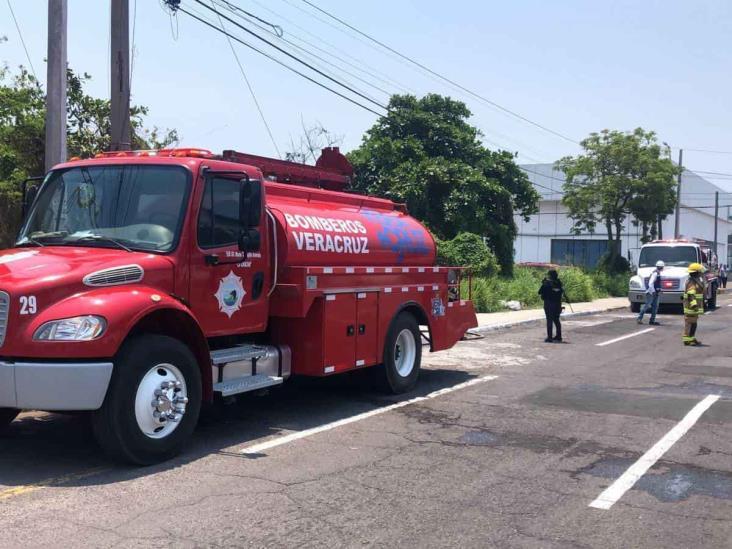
(28,305)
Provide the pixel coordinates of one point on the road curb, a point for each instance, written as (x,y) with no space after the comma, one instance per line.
(508,325)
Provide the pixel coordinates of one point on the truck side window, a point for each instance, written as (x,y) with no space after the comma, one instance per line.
(218,220)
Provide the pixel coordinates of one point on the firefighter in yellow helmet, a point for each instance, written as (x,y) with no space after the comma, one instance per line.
(693,303)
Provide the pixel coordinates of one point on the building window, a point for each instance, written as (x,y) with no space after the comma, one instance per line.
(579,252)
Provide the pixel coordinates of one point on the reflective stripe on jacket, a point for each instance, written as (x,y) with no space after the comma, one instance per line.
(693,298)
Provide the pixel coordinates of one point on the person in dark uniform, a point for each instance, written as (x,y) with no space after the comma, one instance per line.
(551,292)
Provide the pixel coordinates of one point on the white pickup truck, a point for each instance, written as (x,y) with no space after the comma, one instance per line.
(677,255)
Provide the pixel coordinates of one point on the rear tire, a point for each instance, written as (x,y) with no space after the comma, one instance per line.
(152,376)
(7,415)
(635,307)
(402,354)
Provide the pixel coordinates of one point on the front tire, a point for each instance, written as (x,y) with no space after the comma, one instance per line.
(635,307)
(153,401)
(402,353)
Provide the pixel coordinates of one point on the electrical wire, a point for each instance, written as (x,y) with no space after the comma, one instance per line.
(20,34)
(278,61)
(251,91)
(440,76)
(294,57)
(132,49)
(355,63)
(245,15)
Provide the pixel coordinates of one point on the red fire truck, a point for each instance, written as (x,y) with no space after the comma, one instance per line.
(146,284)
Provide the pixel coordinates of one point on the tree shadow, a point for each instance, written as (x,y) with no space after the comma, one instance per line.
(44,449)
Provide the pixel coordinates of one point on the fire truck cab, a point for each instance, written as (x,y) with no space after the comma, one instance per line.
(145,284)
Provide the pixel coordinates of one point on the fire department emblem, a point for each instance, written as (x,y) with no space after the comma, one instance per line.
(230,294)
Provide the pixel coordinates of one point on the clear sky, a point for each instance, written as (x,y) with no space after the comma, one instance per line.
(573,66)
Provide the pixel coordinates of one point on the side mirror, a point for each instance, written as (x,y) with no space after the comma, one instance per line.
(250,203)
(30,192)
(249,240)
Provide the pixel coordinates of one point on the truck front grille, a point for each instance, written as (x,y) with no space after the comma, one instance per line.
(4,313)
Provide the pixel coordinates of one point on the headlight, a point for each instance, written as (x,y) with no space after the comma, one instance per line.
(78,328)
(636,284)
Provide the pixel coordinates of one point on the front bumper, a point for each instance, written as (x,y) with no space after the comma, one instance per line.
(54,386)
(665,298)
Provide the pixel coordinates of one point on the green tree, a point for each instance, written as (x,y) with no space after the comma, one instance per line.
(22,135)
(620,174)
(426,154)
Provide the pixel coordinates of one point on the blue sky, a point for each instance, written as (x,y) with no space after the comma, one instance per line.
(569,65)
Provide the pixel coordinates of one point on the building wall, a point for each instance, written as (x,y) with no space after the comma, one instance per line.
(533,243)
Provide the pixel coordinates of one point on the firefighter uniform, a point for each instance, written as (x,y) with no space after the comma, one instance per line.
(693,303)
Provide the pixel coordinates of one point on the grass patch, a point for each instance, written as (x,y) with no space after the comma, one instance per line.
(523,286)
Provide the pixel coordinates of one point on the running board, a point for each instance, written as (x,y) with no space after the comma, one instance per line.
(246,384)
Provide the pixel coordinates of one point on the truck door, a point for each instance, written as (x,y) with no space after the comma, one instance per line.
(229,288)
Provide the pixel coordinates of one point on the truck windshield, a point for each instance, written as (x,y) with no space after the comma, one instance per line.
(674,256)
(138,207)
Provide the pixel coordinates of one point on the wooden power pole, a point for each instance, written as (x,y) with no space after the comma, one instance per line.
(677,228)
(56,84)
(716,223)
(120,71)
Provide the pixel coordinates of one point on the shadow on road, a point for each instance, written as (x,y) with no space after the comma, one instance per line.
(59,449)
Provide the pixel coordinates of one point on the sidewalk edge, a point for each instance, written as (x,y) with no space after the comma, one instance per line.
(506,325)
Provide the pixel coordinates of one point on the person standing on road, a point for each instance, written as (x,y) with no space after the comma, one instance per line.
(693,303)
(652,293)
(551,292)
(723,275)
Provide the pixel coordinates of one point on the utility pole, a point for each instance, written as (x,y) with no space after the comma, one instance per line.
(716,222)
(56,84)
(677,228)
(120,71)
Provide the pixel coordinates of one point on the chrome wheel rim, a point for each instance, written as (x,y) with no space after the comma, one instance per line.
(405,352)
(160,402)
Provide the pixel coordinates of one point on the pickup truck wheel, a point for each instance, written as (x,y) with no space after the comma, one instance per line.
(402,353)
(7,415)
(635,307)
(153,401)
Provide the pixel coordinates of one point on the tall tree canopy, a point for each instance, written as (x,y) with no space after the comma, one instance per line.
(22,135)
(426,154)
(620,174)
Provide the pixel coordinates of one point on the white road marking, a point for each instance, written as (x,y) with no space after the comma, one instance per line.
(286,439)
(621,338)
(626,481)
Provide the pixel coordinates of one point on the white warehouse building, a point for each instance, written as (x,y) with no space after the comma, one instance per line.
(547,237)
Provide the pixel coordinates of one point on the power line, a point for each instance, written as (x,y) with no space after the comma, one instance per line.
(278,61)
(20,34)
(294,57)
(234,9)
(441,77)
(357,63)
(704,150)
(251,91)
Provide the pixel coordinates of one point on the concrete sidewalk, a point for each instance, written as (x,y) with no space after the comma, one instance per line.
(506,319)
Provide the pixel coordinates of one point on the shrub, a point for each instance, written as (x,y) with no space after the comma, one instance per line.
(610,285)
(613,263)
(468,250)
(578,285)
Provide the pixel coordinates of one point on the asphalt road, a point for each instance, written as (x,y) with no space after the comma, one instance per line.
(515,460)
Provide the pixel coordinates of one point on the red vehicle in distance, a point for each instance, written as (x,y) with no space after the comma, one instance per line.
(143,284)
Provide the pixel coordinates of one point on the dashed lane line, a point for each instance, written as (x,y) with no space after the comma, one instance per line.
(57,481)
(621,338)
(292,437)
(615,491)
